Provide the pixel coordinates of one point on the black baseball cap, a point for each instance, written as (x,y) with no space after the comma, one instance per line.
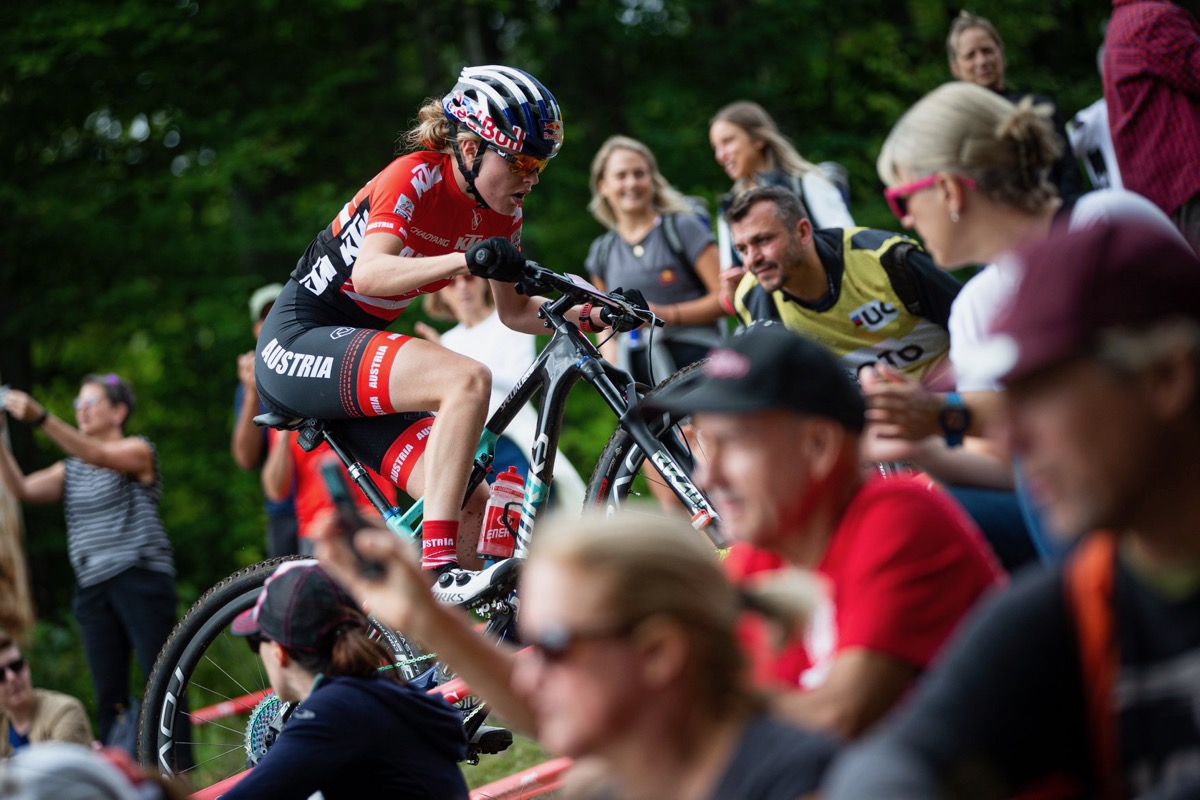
(769,367)
(300,606)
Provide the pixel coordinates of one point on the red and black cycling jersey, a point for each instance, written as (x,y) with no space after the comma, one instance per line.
(416,198)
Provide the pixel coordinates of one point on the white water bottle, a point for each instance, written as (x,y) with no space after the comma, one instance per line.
(504,504)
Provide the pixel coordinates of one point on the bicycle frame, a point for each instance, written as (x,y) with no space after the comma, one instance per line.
(568,357)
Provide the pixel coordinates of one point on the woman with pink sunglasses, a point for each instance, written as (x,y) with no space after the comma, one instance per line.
(968,170)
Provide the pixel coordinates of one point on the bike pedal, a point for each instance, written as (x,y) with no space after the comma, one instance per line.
(490,740)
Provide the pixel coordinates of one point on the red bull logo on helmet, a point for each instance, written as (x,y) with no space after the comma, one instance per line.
(465,110)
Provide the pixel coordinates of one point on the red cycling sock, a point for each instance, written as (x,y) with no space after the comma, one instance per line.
(439,542)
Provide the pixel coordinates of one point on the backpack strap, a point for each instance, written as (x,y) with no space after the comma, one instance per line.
(604,254)
(895,264)
(675,245)
(1088,582)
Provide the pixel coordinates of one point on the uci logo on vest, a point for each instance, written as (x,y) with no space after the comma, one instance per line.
(873,315)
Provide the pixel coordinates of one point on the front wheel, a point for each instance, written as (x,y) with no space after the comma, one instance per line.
(206,682)
(622,474)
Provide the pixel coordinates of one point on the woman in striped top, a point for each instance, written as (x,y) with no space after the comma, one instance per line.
(110,487)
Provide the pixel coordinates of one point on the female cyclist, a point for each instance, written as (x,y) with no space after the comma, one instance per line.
(633,200)
(968,169)
(453,207)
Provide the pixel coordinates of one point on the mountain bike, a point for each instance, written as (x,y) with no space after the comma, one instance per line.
(207,705)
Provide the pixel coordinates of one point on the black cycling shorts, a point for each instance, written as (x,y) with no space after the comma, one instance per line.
(308,366)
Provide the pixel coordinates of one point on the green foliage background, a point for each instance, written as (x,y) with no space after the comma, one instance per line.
(160,160)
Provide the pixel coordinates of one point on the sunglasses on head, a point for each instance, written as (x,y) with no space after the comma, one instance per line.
(897,196)
(519,164)
(13,668)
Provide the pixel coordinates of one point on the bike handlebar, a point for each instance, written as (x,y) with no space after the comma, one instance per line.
(539,280)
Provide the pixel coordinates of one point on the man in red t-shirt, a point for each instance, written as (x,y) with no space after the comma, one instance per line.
(779,421)
(289,469)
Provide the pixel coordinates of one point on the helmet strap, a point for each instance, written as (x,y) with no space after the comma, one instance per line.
(470,174)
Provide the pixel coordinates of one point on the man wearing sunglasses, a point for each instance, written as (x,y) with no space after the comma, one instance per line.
(870,296)
(29,715)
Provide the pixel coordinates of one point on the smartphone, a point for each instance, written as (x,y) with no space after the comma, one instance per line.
(350,521)
(3,397)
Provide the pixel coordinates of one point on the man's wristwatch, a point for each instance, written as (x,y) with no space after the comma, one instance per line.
(954,418)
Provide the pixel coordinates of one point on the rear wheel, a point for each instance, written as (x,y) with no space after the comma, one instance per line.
(206,682)
(623,476)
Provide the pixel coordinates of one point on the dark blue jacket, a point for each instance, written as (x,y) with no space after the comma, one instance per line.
(363,737)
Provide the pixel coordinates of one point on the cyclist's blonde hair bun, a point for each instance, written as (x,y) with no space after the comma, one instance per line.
(1006,148)
(431,130)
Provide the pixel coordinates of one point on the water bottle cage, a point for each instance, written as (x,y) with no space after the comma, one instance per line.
(506,520)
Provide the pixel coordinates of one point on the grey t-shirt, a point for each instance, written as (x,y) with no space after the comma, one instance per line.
(656,273)
(775,760)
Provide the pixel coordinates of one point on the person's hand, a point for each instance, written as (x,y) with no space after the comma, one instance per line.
(730,278)
(874,447)
(496,259)
(427,331)
(245,368)
(400,597)
(624,322)
(898,407)
(22,407)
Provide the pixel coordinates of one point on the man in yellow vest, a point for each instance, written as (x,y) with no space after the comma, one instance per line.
(867,295)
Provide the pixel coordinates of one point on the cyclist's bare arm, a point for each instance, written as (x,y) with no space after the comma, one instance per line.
(401,600)
(519,312)
(380,270)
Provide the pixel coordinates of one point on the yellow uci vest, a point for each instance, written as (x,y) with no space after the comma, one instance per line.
(867,320)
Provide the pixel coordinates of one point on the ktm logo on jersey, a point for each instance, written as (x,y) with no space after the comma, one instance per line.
(425,177)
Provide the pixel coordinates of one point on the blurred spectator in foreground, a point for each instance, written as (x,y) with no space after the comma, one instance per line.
(976,54)
(68,771)
(249,443)
(29,715)
(780,422)
(630,661)
(1152,86)
(1085,675)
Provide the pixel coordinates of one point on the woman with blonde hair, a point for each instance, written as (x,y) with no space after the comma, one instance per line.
(631,660)
(749,146)
(657,245)
(969,171)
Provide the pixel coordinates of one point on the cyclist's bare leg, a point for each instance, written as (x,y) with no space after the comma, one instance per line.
(472,516)
(428,377)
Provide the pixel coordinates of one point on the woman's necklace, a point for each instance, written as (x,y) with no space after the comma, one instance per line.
(638,249)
